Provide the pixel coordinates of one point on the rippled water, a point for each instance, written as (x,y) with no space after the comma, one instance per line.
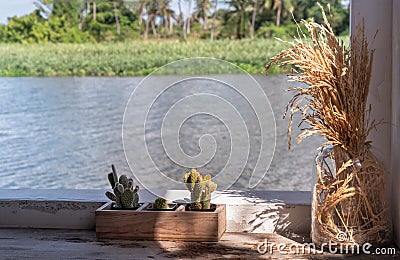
(66,132)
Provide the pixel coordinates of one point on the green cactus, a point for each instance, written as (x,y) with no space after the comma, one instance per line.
(200,189)
(196,206)
(193,180)
(124,196)
(112,177)
(123,180)
(209,187)
(160,203)
(111,196)
(127,199)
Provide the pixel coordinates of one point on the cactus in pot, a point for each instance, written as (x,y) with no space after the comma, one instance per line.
(125,196)
(208,188)
(160,203)
(200,189)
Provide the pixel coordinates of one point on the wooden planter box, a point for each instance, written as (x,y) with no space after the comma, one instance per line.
(144,224)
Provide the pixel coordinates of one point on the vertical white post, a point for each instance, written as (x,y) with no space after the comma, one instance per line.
(395,169)
(378,17)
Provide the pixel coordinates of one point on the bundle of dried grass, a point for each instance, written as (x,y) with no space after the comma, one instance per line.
(348,204)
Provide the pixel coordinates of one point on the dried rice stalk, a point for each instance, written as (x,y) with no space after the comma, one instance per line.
(337,76)
(349,195)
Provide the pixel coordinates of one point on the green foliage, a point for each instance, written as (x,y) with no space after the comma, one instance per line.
(64,25)
(104,26)
(129,59)
(200,189)
(306,9)
(24,29)
(68,10)
(270,31)
(124,196)
(73,21)
(32,28)
(160,203)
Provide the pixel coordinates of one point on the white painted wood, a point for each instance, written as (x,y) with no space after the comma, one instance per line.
(247,211)
(384,16)
(47,214)
(396,120)
(378,19)
(226,197)
(53,194)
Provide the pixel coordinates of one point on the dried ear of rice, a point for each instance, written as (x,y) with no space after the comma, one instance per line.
(348,199)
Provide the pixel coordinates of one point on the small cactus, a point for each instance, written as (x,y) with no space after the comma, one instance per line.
(124,196)
(160,203)
(200,189)
(112,177)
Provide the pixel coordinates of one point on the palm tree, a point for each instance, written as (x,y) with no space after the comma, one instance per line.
(279,6)
(189,17)
(170,16)
(148,9)
(94,10)
(213,21)
(253,17)
(140,9)
(239,13)
(202,11)
(116,18)
(152,11)
(43,7)
(85,10)
(165,13)
(180,15)
(181,21)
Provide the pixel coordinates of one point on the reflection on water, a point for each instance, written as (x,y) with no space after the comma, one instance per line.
(66,132)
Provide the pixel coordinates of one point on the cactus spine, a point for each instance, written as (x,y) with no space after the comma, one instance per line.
(124,196)
(160,203)
(200,189)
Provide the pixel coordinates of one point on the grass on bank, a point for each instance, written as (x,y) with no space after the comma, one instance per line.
(129,59)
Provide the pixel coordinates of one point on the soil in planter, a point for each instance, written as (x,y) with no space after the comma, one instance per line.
(114,207)
(171,207)
(212,208)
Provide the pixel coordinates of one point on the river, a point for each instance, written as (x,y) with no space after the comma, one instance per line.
(66,132)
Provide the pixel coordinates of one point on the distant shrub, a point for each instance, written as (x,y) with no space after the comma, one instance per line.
(284,31)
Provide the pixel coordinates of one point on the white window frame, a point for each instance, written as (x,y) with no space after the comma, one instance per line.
(383,17)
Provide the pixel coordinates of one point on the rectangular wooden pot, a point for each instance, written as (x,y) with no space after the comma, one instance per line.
(160,225)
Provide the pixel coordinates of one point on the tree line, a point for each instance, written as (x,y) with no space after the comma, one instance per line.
(76,21)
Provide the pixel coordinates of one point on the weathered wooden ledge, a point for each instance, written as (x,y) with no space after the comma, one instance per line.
(247,211)
(82,244)
(280,217)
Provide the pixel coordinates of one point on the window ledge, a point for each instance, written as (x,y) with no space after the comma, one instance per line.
(247,211)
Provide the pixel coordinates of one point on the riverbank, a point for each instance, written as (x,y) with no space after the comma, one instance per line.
(129,59)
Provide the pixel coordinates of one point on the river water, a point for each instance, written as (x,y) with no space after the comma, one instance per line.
(66,132)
